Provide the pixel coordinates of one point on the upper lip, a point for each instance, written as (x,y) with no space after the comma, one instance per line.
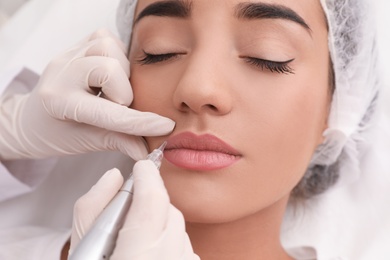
(204,142)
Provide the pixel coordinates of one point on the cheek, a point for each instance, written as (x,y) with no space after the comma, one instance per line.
(289,107)
(290,118)
(152,88)
(288,132)
(281,126)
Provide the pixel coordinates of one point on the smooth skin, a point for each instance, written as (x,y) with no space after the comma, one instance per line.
(210,78)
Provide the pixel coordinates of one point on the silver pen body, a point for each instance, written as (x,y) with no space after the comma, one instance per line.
(100,240)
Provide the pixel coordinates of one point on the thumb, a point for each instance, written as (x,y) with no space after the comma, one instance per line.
(100,112)
(150,206)
(88,207)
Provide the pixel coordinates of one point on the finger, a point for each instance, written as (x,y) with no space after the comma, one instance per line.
(132,146)
(88,207)
(114,83)
(104,33)
(176,237)
(149,211)
(82,46)
(92,139)
(105,114)
(172,243)
(105,73)
(108,47)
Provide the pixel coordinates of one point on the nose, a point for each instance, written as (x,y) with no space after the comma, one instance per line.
(203,88)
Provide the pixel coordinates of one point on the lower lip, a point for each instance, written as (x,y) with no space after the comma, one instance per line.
(199,160)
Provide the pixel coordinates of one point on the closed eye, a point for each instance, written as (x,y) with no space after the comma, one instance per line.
(272,66)
(156,58)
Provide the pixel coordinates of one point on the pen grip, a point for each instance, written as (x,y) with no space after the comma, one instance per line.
(99,242)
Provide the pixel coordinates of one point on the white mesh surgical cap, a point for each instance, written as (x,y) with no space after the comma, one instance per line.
(125,17)
(353,51)
(352,47)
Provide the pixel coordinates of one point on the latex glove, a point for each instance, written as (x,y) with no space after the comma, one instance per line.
(63,115)
(154,228)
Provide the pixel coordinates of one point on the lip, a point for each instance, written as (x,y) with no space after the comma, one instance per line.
(199,152)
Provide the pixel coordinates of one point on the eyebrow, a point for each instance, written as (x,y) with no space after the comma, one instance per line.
(269,11)
(250,11)
(169,8)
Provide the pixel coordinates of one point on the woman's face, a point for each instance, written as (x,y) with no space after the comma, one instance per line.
(247,84)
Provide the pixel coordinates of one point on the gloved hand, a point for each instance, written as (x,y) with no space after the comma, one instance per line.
(64,115)
(154,228)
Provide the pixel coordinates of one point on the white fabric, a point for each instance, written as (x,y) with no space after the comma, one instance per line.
(353,50)
(45,28)
(18,183)
(350,222)
(32,242)
(10,186)
(45,214)
(3,18)
(18,29)
(21,75)
(124,19)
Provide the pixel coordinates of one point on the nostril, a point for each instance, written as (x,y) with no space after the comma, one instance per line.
(184,106)
(212,107)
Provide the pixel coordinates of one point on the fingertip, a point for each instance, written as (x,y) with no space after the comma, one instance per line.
(111,179)
(113,173)
(169,125)
(165,125)
(144,165)
(155,125)
(139,155)
(149,189)
(105,32)
(132,146)
(100,194)
(146,170)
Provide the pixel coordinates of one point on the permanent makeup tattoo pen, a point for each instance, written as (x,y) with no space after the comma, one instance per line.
(99,242)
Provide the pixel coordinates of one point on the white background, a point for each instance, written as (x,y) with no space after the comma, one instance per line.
(383,12)
(383,21)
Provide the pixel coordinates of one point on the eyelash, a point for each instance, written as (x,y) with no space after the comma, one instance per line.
(156,58)
(273,66)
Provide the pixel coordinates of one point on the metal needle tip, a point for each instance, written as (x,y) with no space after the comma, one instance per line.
(162,147)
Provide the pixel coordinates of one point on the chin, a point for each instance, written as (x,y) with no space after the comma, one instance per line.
(208,214)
